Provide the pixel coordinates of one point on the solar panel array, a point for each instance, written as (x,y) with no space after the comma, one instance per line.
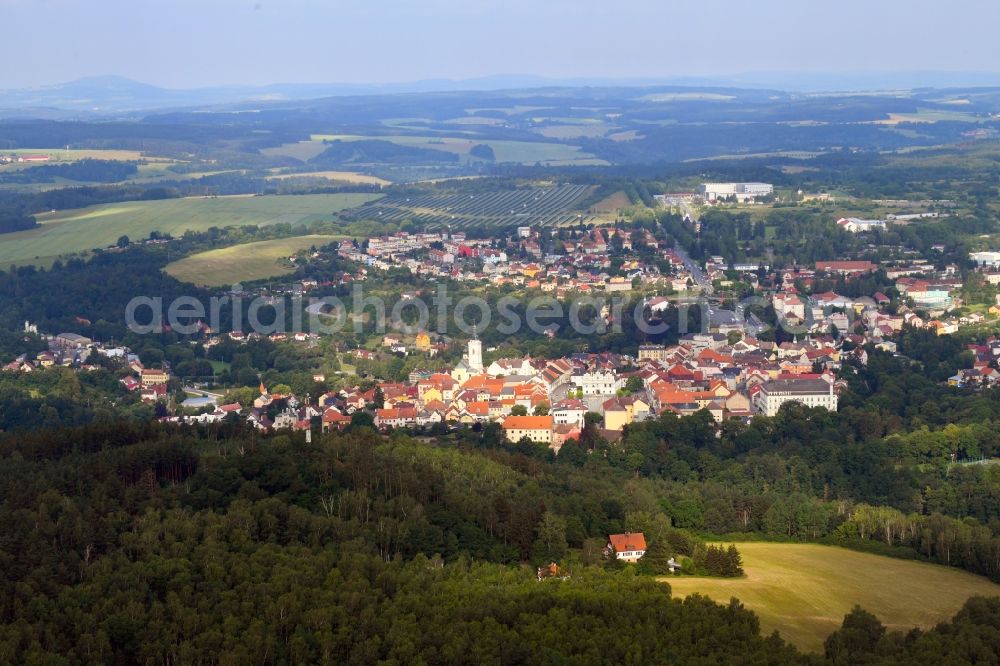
(543,207)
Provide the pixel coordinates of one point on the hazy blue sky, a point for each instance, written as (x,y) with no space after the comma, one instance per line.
(184,43)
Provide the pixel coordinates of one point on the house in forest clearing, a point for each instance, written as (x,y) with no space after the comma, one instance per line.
(628,547)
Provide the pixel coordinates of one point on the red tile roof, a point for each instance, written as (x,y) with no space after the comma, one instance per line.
(629,541)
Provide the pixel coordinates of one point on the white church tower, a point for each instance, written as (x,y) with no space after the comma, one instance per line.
(475,355)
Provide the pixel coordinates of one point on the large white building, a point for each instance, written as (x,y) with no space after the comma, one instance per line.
(740,191)
(857,225)
(596,383)
(810,392)
(986,258)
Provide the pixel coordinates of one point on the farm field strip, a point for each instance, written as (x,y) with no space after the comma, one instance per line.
(245,262)
(804,590)
(82,229)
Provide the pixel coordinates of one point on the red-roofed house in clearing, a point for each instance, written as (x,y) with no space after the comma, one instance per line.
(628,547)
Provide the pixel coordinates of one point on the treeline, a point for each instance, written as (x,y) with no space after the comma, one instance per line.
(97,290)
(60,397)
(340,153)
(86,170)
(13,217)
(948,541)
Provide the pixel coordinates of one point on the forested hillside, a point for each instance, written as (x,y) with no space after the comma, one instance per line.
(146,544)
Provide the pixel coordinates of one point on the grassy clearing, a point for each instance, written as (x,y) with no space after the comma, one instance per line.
(612,203)
(82,229)
(340,176)
(300,150)
(243,263)
(515,110)
(804,590)
(929,116)
(627,135)
(572,131)
(791,154)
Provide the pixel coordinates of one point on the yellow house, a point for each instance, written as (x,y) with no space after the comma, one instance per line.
(619,412)
(994,310)
(430,394)
(616,417)
(423,341)
(640,409)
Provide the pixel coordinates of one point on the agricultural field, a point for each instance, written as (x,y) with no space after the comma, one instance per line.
(339,176)
(931,116)
(804,590)
(60,156)
(243,263)
(612,203)
(553,206)
(150,169)
(83,229)
(575,130)
(686,97)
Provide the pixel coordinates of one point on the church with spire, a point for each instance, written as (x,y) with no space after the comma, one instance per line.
(264,399)
(472,360)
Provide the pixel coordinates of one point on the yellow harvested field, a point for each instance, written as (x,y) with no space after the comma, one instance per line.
(804,590)
(341,176)
(57,155)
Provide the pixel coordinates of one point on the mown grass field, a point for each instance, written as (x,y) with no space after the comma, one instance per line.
(804,590)
(243,263)
(82,229)
(612,203)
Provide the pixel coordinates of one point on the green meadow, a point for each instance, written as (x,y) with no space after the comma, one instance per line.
(83,229)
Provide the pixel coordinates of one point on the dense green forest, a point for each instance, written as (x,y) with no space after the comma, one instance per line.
(86,170)
(138,544)
(340,153)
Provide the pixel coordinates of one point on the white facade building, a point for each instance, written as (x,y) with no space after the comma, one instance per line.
(596,383)
(856,225)
(741,191)
(810,392)
(986,258)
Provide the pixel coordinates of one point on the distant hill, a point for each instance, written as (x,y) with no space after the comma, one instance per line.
(116,95)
